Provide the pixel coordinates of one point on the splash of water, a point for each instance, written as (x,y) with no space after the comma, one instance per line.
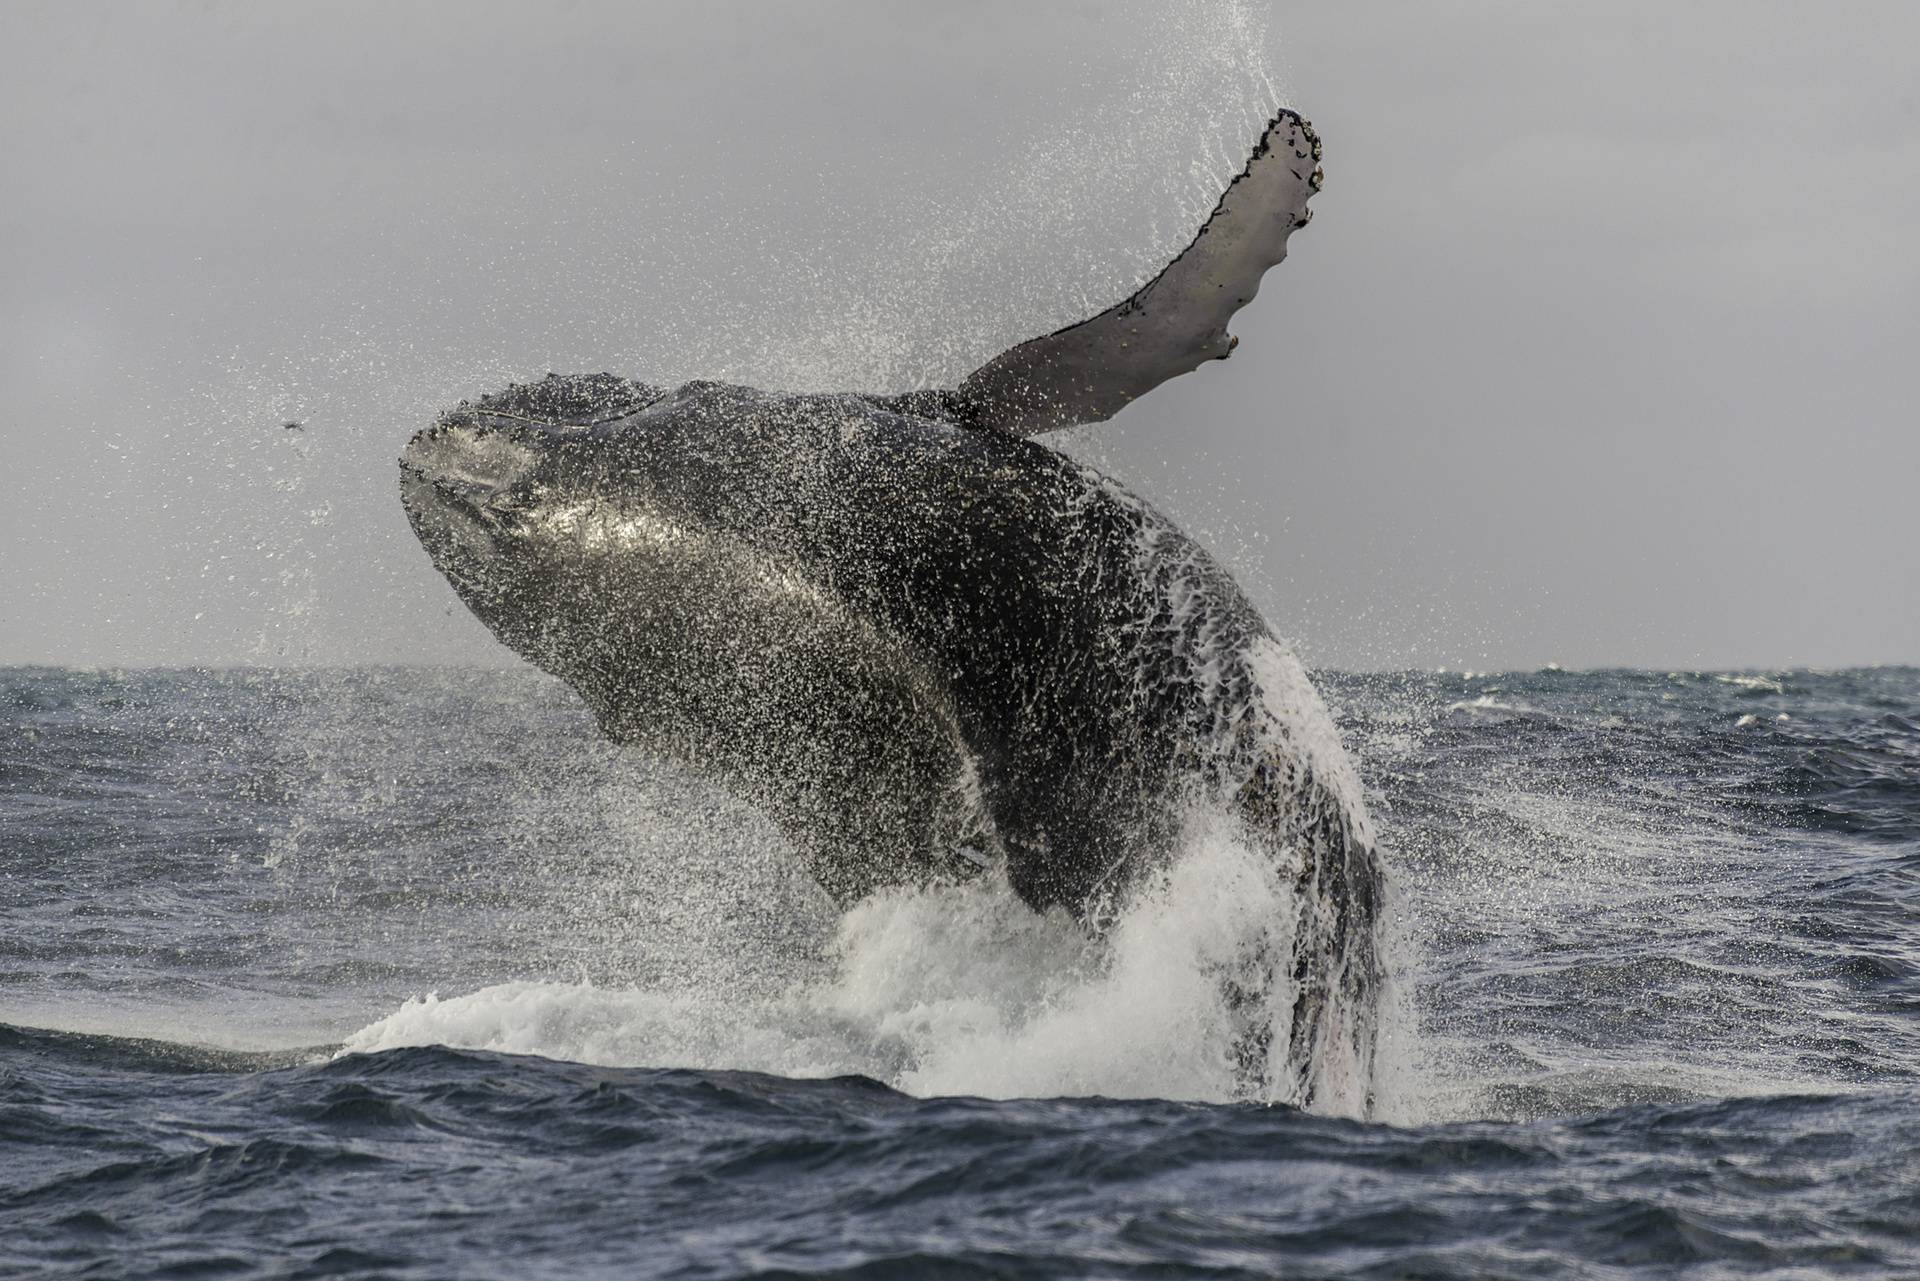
(947,990)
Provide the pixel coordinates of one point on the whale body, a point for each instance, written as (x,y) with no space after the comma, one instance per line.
(925,643)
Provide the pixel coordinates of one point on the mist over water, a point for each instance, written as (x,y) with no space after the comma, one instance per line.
(1606,888)
(410,857)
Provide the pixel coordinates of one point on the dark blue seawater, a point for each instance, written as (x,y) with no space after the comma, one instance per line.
(406,973)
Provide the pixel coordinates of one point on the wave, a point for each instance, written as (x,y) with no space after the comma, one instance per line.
(514,1158)
(143,1054)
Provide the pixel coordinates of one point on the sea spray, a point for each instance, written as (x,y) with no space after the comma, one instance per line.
(955,990)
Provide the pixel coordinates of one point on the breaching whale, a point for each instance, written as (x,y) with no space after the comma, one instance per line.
(923,642)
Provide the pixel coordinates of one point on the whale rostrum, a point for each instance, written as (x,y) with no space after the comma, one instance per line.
(923,642)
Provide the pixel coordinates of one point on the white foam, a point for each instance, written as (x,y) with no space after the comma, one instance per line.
(955,990)
(1488,703)
(1765,684)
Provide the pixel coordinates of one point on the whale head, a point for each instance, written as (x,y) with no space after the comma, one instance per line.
(651,548)
(469,489)
(643,549)
(512,494)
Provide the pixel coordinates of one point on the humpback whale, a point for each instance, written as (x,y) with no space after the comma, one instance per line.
(923,642)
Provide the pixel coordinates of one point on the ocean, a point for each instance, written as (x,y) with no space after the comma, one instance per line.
(408,973)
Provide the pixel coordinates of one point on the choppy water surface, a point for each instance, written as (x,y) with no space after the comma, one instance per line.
(405,972)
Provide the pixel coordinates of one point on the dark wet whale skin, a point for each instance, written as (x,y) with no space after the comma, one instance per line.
(905,638)
(900,624)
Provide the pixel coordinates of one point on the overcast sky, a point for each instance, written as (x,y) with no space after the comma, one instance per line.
(1600,349)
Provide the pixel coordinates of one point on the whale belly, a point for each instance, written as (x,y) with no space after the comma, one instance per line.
(717,657)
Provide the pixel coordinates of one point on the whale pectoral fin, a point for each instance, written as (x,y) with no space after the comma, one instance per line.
(1175,322)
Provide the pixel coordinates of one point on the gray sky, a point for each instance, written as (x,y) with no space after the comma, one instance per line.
(1599,349)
